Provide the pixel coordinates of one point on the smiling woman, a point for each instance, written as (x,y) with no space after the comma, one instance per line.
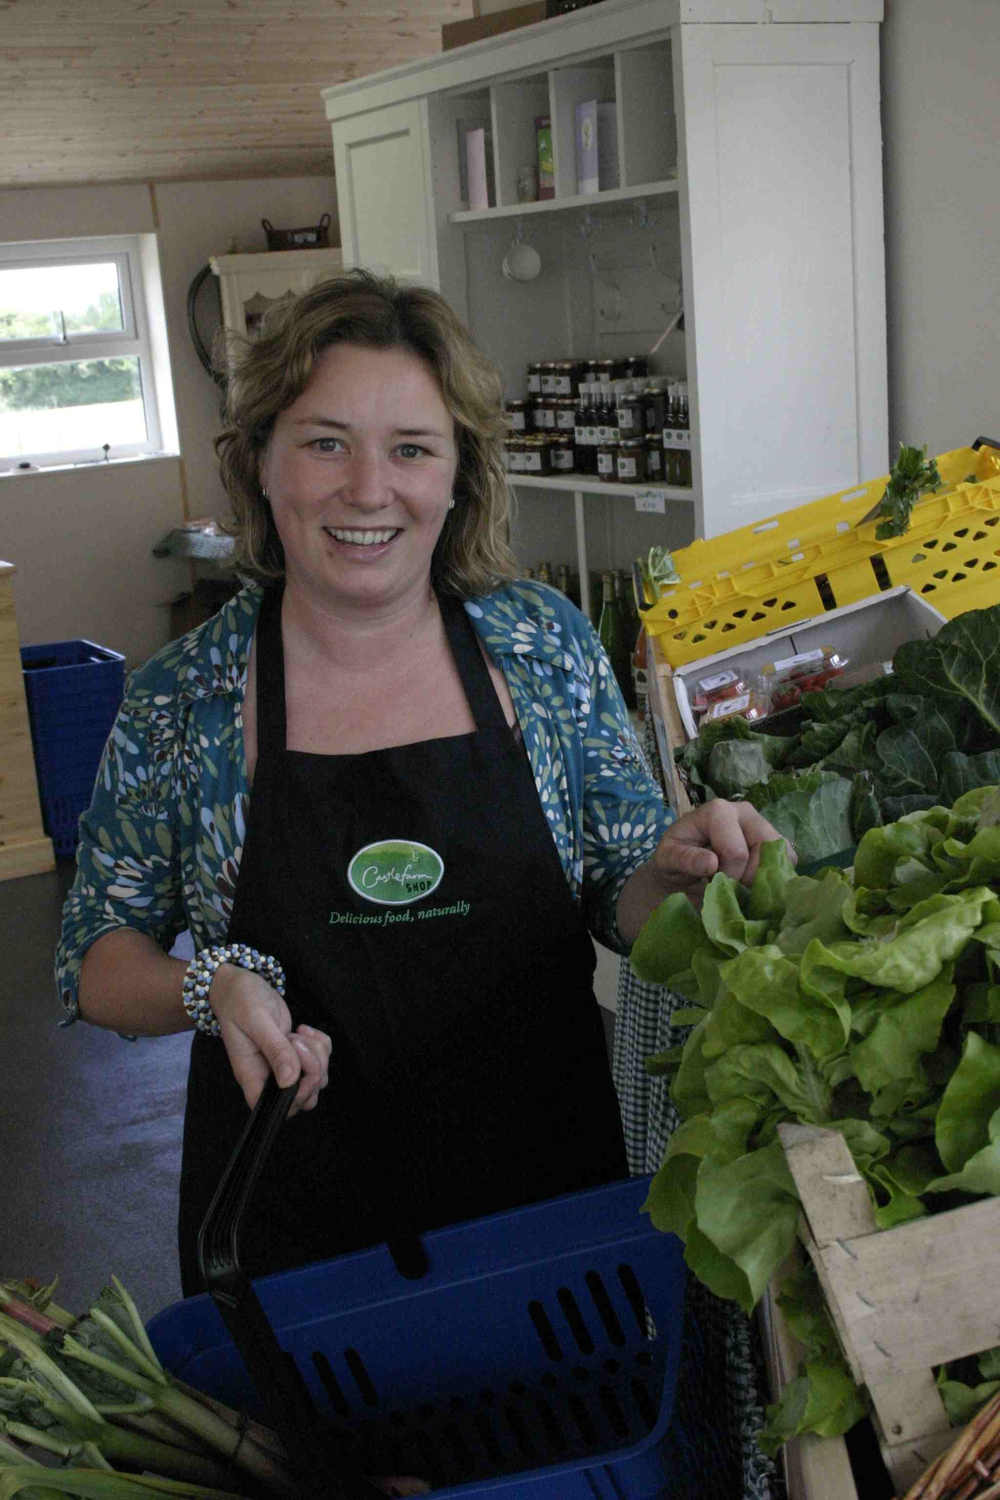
(399,778)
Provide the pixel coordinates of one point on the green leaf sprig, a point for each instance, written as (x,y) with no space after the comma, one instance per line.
(911,476)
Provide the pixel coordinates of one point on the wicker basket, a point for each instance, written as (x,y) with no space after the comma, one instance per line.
(314,237)
(970,1468)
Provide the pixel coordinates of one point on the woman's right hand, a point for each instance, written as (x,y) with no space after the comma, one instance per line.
(257,1033)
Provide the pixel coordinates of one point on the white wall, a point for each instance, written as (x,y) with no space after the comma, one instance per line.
(941,123)
(81,539)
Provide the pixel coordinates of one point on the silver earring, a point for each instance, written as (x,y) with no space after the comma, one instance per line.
(451,503)
(263,494)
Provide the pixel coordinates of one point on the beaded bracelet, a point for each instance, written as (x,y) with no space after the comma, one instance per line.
(201,971)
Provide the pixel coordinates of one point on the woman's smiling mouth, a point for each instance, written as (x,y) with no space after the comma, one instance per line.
(361,538)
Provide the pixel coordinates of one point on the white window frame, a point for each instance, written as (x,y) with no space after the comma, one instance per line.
(132,340)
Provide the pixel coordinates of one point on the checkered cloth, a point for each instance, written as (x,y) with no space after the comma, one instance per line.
(721,1388)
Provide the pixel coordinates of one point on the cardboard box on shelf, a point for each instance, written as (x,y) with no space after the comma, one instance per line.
(478,28)
(596,146)
(866,632)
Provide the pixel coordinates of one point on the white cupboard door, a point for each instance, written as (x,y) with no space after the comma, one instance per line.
(384,197)
(783,265)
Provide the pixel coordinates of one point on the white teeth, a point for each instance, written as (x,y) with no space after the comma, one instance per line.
(362,538)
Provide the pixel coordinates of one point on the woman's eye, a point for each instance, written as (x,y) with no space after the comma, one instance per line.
(326,444)
(410,450)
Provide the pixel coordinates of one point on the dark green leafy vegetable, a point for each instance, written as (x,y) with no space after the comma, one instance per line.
(812,809)
(959,668)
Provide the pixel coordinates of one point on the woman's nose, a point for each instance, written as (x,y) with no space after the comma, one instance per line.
(367,481)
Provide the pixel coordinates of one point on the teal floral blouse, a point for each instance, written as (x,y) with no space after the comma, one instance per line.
(161,843)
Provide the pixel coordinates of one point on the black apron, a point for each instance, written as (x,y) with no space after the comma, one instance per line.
(417,902)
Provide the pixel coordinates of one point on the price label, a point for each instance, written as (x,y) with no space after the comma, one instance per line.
(652,501)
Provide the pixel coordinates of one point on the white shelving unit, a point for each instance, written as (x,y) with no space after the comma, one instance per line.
(749,192)
(654,497)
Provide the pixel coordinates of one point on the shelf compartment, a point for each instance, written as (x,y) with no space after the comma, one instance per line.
(570,87)
(461,113)
(647,123)
(515,106)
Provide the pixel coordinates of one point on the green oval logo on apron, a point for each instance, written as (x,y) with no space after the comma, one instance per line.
(395,872)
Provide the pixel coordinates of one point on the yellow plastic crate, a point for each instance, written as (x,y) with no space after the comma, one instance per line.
(822,555)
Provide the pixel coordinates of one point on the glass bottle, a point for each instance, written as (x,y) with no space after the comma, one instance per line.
(640,677)
(612,632)
(625,594)
(583,450)
(544,573)
(684,424)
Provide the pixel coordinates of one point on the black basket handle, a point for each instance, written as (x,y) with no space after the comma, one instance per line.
(990,443)
(319,1449)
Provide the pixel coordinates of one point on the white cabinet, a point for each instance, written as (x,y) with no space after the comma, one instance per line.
(382,169)
(249,284)
(748,191)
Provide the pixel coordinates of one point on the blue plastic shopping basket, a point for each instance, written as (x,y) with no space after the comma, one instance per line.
(536,1356)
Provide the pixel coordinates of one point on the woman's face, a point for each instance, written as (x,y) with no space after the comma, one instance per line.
(359,471)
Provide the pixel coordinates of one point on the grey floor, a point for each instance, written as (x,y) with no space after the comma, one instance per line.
(90,1126)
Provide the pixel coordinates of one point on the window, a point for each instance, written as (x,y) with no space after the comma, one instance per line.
(76,366)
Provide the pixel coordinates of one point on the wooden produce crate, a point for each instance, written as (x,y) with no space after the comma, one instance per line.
(903,1299)
(25,848)
(814,1468)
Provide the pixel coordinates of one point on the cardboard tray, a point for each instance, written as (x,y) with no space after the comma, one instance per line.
(868,631)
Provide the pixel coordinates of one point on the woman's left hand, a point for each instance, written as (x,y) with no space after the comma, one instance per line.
(717,836)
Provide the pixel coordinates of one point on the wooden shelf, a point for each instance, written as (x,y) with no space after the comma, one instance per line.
(560,205)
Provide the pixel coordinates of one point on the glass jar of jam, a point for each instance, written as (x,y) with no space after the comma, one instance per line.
(565,377)
(517,416)
(561,456)
(514,451)
(536,455)
(654,459)
(565,413)
(631,417)
(548,377)
(607,460)
(535,378)
(631,460)
(543,414)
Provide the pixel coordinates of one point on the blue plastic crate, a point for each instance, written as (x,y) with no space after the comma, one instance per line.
(74,689)
(537,1358)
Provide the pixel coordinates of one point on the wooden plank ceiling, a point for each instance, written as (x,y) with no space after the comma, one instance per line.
(154,90)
